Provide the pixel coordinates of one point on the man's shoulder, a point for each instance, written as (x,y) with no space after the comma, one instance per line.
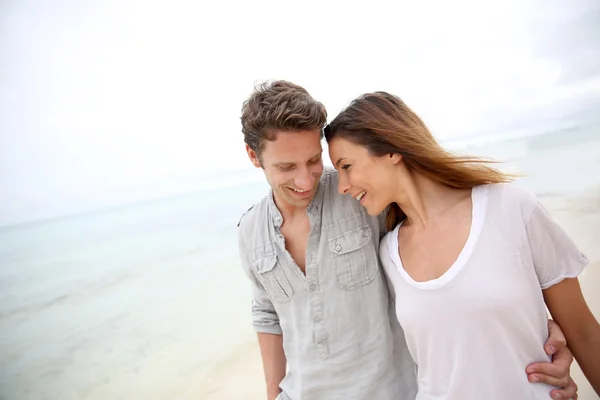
(339,206)
(329,182)
(329,178)
(255,213)
(244,214)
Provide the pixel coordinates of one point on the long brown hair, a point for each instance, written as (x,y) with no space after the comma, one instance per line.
(385,125)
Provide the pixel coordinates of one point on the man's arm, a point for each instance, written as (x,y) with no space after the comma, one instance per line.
(274,361)
(265,322)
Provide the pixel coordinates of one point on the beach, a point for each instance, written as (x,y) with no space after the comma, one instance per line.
(149,301)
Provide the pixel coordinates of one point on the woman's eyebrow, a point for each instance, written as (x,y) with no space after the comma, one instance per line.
(337,163)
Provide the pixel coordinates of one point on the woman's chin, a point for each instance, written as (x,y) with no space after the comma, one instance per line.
(371,211)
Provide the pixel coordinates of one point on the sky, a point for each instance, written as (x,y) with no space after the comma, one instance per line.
(111,102)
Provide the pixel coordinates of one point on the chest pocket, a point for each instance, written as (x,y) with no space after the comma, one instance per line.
(354,257)
(273,279)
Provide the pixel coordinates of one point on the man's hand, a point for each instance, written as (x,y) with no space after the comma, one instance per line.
(274,362)
(556,373)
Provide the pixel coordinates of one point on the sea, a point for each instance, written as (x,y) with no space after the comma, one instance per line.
(142,301)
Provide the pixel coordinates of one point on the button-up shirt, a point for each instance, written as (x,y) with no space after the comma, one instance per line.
(340,335)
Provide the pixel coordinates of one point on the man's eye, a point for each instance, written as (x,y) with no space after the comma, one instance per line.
(289,168)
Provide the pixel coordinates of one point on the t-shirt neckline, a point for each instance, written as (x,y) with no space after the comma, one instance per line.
(478,212)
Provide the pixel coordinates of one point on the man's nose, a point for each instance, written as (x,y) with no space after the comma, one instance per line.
(304,180)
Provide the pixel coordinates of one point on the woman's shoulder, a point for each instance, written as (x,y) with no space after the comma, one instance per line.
(512,191)
(510,198)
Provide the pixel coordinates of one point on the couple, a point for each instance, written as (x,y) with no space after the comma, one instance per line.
(469,261)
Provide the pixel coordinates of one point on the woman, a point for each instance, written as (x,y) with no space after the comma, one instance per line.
(472,259)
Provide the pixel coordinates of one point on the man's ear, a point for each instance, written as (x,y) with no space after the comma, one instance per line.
(395,158)
(253,157)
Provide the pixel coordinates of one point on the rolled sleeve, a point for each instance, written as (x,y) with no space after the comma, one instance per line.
(264,316)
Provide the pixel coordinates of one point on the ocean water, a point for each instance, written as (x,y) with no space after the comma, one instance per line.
(561,162)
(133,302)
(140,302)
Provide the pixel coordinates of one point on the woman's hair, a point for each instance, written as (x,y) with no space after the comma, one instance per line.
(383,124)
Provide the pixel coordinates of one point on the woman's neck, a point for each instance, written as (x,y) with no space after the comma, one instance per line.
(424,200)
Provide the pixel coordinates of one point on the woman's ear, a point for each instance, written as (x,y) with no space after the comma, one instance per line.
(395,158)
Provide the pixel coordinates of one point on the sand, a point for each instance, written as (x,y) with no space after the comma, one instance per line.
(238,377)
(241,375)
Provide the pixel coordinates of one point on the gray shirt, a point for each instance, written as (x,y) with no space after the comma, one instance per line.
(340,335)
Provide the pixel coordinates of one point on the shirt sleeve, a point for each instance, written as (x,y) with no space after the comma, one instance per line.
(555,255)
(264,316)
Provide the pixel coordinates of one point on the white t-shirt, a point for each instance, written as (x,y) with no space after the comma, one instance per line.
(473,331)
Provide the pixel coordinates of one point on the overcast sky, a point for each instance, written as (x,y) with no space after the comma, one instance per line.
(108,102)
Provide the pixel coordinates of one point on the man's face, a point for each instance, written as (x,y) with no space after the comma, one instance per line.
(293,165)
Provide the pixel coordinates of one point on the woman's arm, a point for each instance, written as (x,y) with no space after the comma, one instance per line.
(568,307)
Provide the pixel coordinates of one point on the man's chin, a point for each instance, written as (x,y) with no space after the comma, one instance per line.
(301,202)
(296,202)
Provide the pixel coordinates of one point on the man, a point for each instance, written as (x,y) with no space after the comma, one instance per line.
(320,301)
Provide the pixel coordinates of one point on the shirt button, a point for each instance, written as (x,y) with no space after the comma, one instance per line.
(312,287)
(317,318)
(338,248)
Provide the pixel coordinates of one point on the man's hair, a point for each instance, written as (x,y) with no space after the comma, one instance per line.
(279,106)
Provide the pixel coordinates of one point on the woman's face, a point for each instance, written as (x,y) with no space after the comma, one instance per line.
(369,179)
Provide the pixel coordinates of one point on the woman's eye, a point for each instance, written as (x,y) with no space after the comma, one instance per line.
(345,167)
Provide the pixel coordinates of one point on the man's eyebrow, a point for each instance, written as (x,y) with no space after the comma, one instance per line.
(337,163)
(282,163)
(289,163)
